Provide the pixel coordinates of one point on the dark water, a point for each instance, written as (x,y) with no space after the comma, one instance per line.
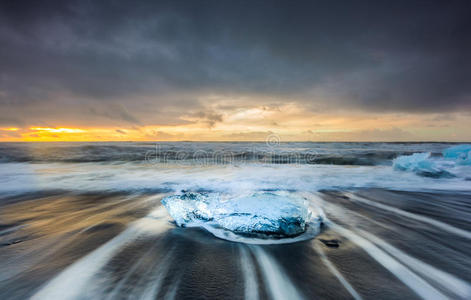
(216,152)
(78,224)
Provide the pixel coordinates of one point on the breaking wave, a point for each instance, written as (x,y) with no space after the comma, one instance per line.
(440,167)
(191,153)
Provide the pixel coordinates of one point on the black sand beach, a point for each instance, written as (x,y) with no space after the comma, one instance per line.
(107,246)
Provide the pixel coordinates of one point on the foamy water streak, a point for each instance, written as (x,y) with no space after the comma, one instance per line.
(141,262)
(248,271)
(336,273)
(278,284)
(430,221)
(445,280)
(172,292)
(409,278)
(152,289)
(71,283)
(405,267)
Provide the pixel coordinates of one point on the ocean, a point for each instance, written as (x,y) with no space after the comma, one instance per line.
(235,220)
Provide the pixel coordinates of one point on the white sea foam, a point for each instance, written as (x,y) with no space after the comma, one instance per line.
(25,177)
(249,274)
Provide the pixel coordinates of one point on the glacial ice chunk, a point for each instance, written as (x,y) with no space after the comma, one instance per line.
(421,164)
(275,214)
(461,154)
(455,162)
(412,162)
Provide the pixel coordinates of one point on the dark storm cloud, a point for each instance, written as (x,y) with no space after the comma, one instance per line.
(208,117)
(377,55)
(7,121)
(115,112)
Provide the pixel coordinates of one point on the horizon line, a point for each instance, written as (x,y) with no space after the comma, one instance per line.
(234,141)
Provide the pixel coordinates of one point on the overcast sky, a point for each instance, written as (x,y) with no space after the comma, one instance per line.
(237,69)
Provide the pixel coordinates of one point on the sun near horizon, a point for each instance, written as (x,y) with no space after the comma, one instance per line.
(256,124)
(304,71)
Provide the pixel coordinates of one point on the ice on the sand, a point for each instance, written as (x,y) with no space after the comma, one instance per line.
(260,212)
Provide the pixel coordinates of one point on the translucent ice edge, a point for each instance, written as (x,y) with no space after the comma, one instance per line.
(255,218)
(456,162)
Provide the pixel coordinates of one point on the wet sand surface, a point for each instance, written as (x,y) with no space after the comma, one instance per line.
(374,244)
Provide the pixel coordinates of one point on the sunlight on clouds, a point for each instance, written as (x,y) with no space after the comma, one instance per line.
(58,130)
(240,120)
(10,129)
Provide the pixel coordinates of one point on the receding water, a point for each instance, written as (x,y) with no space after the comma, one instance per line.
(86,221)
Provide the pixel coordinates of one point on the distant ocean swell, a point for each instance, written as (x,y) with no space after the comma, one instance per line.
(357,154)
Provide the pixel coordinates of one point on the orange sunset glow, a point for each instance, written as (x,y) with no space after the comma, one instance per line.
(154,78)
(289,122)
